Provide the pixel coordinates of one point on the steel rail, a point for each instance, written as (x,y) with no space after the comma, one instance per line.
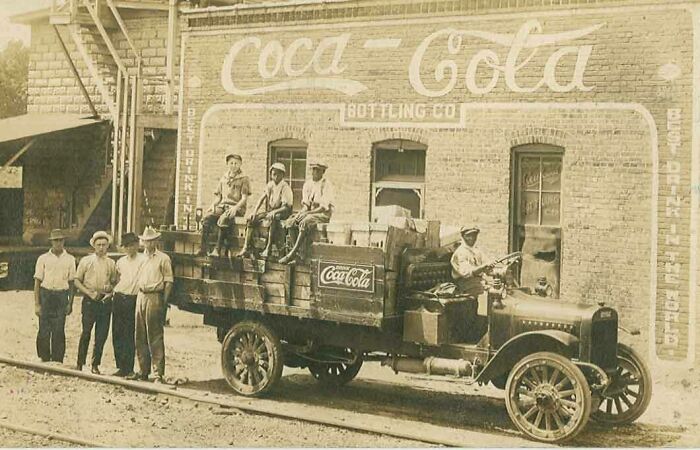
(367,423)
(61,437)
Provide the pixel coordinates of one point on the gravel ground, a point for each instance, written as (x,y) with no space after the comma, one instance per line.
(119,417)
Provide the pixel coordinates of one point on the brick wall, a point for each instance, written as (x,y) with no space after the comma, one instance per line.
(53,88)
(608,120)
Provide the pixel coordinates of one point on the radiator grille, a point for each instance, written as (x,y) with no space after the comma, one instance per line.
(604,343)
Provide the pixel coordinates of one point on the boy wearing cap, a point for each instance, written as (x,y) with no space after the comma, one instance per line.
(316,207)
(124,305)
(53,297)
(95,278)
(278,199)
(468,263)
(155,281)
(231,194)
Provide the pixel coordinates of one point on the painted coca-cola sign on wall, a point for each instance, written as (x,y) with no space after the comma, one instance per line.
(351,277)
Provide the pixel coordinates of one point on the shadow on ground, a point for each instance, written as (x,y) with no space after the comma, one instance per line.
(471,412)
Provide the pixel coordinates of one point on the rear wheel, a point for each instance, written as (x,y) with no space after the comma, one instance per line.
(335,374)
(548,397)
(251,358)
(629,393)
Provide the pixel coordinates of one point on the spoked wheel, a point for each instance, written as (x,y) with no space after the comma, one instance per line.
(548,397)
(251,358)
(337,374)
(629,392)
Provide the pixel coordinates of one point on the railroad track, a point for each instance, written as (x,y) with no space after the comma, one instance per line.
(368,423)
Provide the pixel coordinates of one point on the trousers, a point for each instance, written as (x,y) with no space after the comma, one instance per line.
(123,326)
(150,318)
(97,315)
(51,338)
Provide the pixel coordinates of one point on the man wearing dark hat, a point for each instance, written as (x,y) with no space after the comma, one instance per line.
(155,281)
(278,199)
(53,297)
(95,278)
(468,264)
(124,305)
(231,194)
(316,207)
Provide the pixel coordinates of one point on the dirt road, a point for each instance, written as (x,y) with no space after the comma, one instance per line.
(120,417)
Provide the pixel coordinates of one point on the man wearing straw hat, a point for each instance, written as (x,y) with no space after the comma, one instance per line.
(155,281)
(95,278)
(316,207)
(53,297)
(124,305)
(278,199)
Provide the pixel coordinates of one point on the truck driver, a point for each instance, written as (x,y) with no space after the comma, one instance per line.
(231,194)
(278,199)
(468,263)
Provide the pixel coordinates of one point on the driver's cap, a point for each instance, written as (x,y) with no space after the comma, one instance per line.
(468,230)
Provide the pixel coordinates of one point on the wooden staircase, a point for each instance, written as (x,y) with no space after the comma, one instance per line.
(159,179)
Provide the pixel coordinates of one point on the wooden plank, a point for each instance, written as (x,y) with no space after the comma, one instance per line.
(282,290)
(432,236)
(300,279)
(160,121)
(347,253)
(397,240)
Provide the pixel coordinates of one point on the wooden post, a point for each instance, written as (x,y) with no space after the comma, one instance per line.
(115,162)
(137,171)
(122,154)
(170,57)
(132,146)
(76,75)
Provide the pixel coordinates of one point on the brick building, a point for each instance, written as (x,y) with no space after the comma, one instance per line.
(562,128)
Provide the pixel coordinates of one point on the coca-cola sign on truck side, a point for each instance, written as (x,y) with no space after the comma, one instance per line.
(352,277)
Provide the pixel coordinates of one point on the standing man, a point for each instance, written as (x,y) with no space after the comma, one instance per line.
(124,305)
(53,298)
(468,265)
(316,207)
(95,279)
(279,199)
(155,281)
(231,195)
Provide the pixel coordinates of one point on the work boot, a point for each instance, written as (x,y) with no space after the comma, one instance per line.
(203,243)
(95,370)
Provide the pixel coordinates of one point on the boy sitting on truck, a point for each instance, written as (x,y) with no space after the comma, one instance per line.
(316,207)
(278,199)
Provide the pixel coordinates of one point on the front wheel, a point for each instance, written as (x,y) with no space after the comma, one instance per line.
(629,392)
(251,358)
(548,397)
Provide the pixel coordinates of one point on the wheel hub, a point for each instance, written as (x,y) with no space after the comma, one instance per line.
(247,357)
(547,397)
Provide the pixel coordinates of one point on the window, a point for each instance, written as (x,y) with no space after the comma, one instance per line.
(398,176)
(291,153)
(536,214)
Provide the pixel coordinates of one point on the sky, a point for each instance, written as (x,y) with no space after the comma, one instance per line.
(10,31)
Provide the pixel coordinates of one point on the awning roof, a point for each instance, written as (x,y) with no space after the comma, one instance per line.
(35,124)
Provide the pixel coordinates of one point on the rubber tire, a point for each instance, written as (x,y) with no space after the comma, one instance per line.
(577,380)
(322,373)
(627,354)
(274,359)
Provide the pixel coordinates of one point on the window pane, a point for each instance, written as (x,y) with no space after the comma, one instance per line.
(550,208)
(551,174)
(529,208)
(299,167)
(530,173)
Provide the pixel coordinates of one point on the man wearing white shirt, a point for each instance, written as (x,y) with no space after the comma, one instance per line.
(53,298)
(95,278)
(317,206)
(124,305)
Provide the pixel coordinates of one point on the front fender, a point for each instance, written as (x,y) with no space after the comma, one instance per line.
(524,344)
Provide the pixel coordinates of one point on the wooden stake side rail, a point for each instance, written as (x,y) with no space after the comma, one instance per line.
(232,283)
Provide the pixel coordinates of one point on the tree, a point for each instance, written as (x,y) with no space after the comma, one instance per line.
(14,68)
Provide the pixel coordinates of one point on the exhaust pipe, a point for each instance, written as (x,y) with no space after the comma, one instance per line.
(431,366)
